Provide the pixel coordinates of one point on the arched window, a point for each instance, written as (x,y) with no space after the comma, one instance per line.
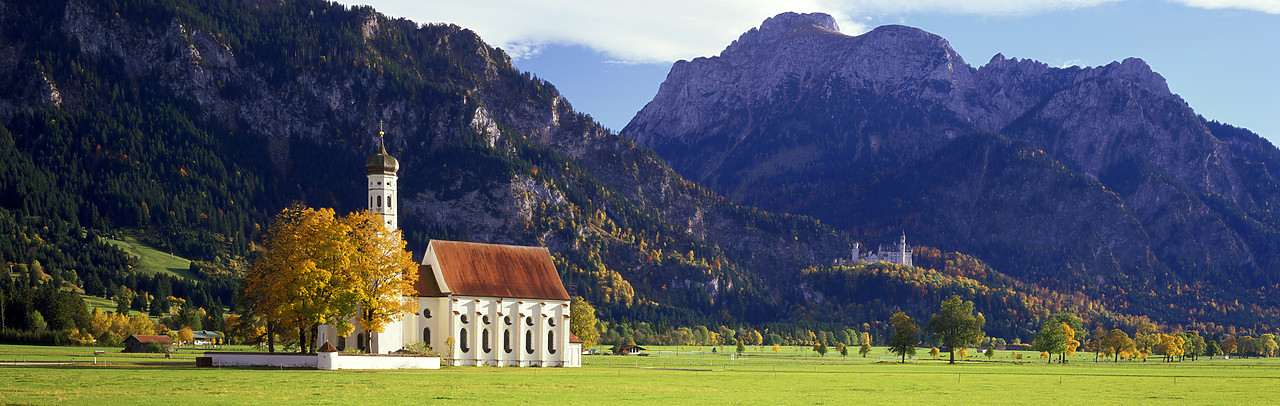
(379,201)
(551,321)
(485,319)
(464,319)
(528,341)
(529,321)
(462,341)
(551,342)
(342,343)
(426,335)
(506,341)
(388,201)
(371,201)
(360,341)
(506,319)
(484,341)
(426,313)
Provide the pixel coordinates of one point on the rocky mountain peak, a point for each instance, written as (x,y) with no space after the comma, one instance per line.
(781,25)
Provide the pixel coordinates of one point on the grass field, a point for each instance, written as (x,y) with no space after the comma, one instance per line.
(788,377)
(152,261)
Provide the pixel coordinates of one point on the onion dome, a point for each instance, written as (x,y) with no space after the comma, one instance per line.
(382,162)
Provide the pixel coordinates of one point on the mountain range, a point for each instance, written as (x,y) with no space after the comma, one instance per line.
(1032,189)
(1097,180)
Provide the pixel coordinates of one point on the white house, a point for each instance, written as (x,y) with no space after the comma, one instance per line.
(503,305)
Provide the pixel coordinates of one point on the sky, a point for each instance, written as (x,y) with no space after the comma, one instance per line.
(608,57)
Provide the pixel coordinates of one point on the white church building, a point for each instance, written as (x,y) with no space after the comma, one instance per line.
(502,305)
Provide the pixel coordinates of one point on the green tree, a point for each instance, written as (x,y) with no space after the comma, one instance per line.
(1269,345)
(122,303)
(1212,349)
(821,349)
(741,347)
(957,325)
(1052,338)
(866,349)
(583,322)
(991,352)
(905,335)
(933,352)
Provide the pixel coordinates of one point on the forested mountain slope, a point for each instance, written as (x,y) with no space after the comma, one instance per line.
(191,123)
(1096,180)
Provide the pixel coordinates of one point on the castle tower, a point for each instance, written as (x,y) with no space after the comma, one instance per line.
(905,251)
(382,168)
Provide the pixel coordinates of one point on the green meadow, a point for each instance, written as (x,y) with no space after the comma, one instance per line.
(790,376)
(152,261)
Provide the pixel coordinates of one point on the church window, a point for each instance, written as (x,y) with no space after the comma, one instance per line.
(551,342)
(342,343)
(506,341)
(484,341)
(426,313)
(360,341)
(462,342)
(464,319)
(370,201)
(528,321)
(388,201)
(486,319)
(379,201)
(426,335)
(551,321)
(506,319)
(528,341)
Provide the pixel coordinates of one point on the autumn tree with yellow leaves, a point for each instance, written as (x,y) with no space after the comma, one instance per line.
(384,273)
(319,268)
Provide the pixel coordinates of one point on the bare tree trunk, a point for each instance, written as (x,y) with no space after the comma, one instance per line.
(315,335)
(302,339)
(271,336)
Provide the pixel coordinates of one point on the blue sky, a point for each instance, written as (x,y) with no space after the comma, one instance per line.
(608,57)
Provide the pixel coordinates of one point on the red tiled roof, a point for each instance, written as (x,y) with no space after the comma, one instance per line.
(153,339)
(474,269)
(573,338)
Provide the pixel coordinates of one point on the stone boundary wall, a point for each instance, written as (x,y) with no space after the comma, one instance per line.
(324,360)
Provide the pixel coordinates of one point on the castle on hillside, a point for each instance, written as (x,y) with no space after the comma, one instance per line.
(899,253)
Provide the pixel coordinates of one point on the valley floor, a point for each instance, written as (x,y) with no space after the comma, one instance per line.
(674,376)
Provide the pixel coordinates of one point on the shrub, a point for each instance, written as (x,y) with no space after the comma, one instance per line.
(419,348)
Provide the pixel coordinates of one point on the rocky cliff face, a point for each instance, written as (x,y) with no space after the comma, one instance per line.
(488,154)
(795,116)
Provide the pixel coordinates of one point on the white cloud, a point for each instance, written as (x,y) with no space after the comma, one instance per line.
(974,7)
(1266,6)
(663,31)
(632,31)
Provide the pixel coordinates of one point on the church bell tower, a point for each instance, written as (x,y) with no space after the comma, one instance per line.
(382,168)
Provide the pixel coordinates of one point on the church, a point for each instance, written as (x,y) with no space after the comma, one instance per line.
(502,305)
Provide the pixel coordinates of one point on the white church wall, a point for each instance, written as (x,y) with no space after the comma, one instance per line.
(517,331)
